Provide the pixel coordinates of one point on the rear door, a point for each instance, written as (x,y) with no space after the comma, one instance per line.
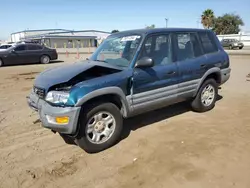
(33,53)
(155,86)
(191,62)
(214,56)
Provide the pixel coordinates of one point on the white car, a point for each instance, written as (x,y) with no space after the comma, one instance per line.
(5,46)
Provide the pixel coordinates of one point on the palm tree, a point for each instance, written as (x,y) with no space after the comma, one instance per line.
(207,19)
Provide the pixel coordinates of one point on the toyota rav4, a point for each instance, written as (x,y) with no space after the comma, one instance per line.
(86,101)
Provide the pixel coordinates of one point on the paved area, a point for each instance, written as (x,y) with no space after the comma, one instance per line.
(172,147)
(244,51)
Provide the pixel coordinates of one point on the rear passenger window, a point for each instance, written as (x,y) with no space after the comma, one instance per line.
(34,47)
(208,42)
(188,46)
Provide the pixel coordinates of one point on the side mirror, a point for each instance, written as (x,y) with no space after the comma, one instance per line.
(144,62)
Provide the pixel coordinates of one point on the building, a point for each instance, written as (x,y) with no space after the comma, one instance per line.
(62,38)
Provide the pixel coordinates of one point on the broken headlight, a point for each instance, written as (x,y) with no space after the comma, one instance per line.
(57,97)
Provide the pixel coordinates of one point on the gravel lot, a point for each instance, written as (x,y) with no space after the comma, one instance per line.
(172,147)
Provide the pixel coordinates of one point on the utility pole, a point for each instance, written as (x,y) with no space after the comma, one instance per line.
(166,19)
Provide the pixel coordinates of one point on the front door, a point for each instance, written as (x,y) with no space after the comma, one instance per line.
(154,87)
(18,55)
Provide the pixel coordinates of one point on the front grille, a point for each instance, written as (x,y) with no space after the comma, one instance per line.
(39,91)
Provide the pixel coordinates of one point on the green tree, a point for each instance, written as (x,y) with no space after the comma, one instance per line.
(228,24)
(115,31)
(207,19)
(150,26)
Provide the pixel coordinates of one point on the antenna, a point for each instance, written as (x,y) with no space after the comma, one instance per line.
(166,19)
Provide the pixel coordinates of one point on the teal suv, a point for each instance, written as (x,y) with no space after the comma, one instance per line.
(86,102)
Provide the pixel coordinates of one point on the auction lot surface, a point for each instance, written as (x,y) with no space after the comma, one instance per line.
(172,147)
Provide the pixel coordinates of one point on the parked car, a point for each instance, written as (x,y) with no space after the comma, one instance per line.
(5,46)
(86,102)
(232,43)
(27,53)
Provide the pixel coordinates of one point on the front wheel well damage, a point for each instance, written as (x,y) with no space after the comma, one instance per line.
(112,98)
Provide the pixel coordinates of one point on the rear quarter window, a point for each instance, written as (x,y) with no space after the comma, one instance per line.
(208,42)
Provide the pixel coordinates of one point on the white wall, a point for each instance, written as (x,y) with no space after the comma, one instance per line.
(244,38)
(17,36)
(100,35)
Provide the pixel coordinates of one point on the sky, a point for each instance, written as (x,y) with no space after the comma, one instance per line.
(106,15)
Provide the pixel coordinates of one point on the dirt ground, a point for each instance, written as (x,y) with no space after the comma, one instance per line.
(172,147)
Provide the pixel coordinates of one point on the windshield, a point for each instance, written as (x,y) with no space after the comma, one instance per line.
(117,50)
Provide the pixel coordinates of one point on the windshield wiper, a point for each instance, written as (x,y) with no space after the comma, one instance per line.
(101,61)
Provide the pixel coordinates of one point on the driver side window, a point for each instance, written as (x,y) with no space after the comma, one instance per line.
(20,48)
(158,48)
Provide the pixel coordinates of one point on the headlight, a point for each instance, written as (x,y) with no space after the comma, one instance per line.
(57,97)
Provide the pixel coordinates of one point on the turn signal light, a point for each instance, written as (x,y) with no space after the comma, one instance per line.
(62,120)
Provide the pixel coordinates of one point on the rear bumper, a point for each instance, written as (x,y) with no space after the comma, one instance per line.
(225,75)
(46,111)
(54,56)
(238,45)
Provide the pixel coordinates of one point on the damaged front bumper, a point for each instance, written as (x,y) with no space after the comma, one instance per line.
(48,115)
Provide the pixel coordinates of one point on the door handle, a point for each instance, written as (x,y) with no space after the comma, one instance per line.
(171,72)
(203,65)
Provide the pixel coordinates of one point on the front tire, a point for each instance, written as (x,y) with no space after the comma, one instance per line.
(206,96)
(230,47)
(101,127)
(44,59)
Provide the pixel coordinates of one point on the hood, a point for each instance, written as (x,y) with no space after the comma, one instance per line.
(72,74)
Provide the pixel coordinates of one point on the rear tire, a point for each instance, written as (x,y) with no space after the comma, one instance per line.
(44,59)
(1,62)
(240,48)
(206,96)
(94,127)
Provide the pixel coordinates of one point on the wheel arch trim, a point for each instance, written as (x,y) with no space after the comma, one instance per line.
(107,91)
(204,77)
